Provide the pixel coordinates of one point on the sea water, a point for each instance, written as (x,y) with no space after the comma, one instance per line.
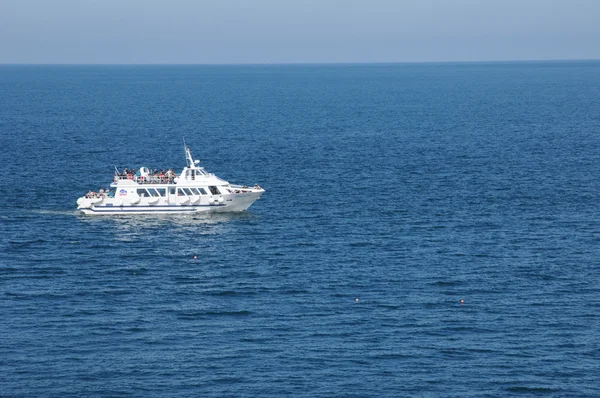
(393,192)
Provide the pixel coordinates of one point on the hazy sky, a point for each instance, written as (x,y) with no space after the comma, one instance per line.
(292,31)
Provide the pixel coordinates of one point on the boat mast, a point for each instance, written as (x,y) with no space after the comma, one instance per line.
(188,156)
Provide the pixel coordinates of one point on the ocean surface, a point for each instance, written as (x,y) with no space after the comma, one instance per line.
(393,192)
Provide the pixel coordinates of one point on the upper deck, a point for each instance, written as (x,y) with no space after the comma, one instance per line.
(149,179)
(191,174)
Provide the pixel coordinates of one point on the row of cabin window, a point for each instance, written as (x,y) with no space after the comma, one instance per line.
(156,192)
(189,191)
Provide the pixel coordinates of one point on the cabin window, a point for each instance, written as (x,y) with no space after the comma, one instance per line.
(180,192)
(202,191)
(172,190)
(214,190)
(161,191)
(153,192)
(187,191)
(142,192)
(195,191)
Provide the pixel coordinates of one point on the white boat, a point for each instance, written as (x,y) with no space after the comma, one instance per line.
(193,190)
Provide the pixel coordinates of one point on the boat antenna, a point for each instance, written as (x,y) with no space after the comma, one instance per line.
(188,154)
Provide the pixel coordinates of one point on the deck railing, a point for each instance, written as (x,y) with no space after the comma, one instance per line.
(153,179)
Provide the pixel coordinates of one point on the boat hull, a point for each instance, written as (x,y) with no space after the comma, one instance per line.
(119,210)
(229,203)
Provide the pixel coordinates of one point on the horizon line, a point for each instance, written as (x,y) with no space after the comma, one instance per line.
(294,63)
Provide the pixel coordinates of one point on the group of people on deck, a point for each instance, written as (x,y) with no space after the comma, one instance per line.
(100,194)
(154,176)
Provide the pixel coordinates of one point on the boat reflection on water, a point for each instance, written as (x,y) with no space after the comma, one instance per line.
(129,227)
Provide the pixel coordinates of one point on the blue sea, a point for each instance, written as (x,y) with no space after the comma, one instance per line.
(393,192)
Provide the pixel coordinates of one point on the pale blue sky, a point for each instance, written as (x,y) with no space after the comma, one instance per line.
(296,31)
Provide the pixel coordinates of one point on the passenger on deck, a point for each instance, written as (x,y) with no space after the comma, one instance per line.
(170,176)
